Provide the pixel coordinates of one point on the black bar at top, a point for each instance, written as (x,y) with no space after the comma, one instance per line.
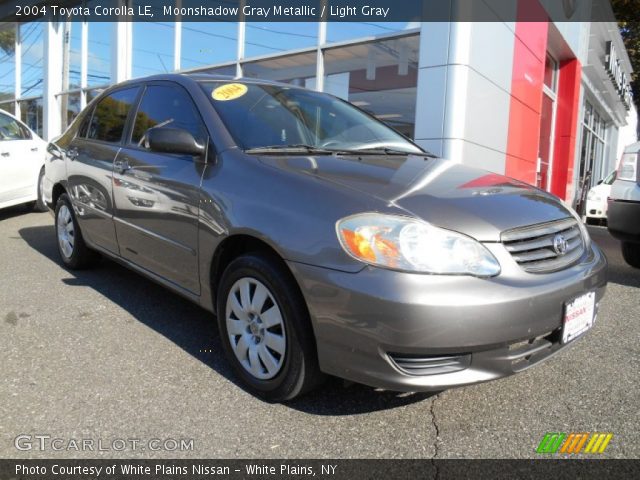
(313,11)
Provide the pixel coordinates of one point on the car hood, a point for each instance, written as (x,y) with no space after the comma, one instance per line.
(444,193)
(602,190)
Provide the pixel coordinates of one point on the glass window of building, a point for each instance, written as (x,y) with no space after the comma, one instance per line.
(208,43)
(592,161)
(31,114)
(342,31)
(274,37)
(381,77)
(8,107)
(99,55)
(69,107)
(298,69)
(72,55)
(7,61)
(32,57)
(227,70)
(547,123)
(550,72)
(153,45)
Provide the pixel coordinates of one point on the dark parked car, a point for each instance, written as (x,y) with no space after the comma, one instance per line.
(624,205)
(324,241)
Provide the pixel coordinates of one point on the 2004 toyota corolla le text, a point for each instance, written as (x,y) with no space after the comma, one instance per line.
(324,241)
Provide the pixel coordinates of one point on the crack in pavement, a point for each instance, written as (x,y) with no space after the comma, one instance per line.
(436,449)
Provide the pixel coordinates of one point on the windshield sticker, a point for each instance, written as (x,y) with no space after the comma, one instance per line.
(230,91)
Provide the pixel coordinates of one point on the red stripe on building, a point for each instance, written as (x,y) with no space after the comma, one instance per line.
(568,108)
(526,95)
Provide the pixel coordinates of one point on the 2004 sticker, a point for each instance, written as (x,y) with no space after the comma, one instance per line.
(230,91)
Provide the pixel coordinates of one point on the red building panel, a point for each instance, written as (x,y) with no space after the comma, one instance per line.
(566,134)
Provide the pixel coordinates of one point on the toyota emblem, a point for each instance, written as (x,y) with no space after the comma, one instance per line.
(560,244)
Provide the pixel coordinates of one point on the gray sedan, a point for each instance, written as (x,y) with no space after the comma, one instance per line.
(323,241)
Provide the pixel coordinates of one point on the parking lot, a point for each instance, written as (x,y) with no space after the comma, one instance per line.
(106,354)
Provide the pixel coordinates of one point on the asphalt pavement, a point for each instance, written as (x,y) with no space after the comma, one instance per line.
(108,356)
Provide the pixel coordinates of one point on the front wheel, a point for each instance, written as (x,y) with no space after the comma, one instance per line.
(73,251)
(631,253)
(265,328)
(40,205)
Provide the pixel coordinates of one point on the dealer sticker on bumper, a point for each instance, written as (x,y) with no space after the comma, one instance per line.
(578,316)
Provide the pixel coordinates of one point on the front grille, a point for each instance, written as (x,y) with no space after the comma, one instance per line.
(430,365)
(533,247)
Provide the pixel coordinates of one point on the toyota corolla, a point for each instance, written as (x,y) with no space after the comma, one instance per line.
(323,241)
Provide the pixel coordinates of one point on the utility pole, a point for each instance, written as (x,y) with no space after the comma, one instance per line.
(66,46)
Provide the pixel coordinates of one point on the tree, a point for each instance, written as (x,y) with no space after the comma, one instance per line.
(7,39)
(628,14)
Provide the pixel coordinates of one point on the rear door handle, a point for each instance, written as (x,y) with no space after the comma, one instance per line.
(34,149)
(121,166)
(5,154)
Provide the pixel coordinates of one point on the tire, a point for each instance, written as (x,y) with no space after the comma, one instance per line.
(265,330)
(40,205)
(631,253)
(71,246)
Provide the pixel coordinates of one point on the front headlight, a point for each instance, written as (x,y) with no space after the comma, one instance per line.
(593,196)
(406,244)
(583,228)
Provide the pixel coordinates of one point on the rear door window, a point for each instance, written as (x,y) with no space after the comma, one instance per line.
(11,129)
(110,116)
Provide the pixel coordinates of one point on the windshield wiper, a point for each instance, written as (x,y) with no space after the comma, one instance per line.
(295,148)
(390,151)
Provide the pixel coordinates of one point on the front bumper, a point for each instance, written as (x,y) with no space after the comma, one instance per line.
(596,209)
(368,324)
(624,220)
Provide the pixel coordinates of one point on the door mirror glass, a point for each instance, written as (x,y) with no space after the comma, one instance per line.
(54,151)
(172,140)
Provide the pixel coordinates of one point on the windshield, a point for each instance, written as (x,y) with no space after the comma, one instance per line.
(260,116)
(611,178)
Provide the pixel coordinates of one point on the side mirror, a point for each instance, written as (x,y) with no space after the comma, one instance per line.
(54,151)
(173,140)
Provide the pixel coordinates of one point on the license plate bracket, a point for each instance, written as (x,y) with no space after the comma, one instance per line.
(579,315)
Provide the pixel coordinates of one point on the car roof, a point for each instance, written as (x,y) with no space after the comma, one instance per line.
(201,77)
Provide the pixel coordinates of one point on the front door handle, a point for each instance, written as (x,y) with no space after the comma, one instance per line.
(5,154)
(34,149)
(121,166)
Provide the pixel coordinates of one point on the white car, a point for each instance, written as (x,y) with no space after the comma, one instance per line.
(22,155)
(597,200)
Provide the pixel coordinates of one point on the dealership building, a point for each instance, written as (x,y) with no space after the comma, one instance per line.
(547,103)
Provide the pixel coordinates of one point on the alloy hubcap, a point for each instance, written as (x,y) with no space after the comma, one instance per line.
(66,232)
(256,328)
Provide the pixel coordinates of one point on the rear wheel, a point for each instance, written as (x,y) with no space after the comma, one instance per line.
(73,251)
(265,329)
(631,253)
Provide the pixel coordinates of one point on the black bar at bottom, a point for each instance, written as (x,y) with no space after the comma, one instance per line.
(166,469)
